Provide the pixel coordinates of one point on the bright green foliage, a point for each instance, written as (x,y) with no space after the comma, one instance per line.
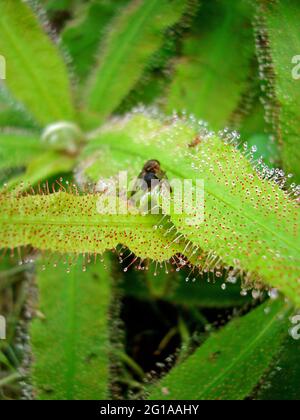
(213,71)
(153,52)
(41,168)
(69,223)
(12,114)
(135,36)
(151,88)
(249,221)
(57,5)
(231,362)
(282,21)
(17,150)
(83,34)
(70,334)
(36,75)
(10,117)
(282,381)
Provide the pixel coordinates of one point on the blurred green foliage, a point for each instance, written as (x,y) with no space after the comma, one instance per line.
(100,331)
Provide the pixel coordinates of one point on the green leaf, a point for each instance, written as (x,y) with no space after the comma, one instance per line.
(4,361)
(135,36)
(18,149)
(42,167)
(70,337)
(13,114)
(213,71)
(12,118)
(83,34)
(36,74)
(282,381)
(58,5)
(231,362)
(250,223)
(283,28)
(14,377)
(157,76)
(69,223)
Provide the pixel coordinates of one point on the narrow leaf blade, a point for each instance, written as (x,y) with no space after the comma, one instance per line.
(135,36)
(36,74)
(82,35)
(70,338)
(17,150)
(231,362)
(282,21)
(69,223)
(212,73)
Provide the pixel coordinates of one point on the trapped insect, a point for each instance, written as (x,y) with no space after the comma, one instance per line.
(152,173)
(149,185)
(197,140)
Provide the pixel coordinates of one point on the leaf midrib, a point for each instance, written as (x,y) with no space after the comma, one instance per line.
(98,221)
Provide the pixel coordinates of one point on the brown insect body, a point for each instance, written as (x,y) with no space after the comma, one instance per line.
(152,173)
(197,140)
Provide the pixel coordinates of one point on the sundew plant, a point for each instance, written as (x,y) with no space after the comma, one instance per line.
(149,200)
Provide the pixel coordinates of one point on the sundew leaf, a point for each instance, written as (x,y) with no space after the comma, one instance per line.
(5,362)
(83,34)
(18,149)
(282,22)
(70,337)
(249,221)
(231,362)
(213,71)
(282,380)
(69,223)
(36,74)
(157,76)
(13,114)
(40,168)
(12,118)
(136,34)
(58,5)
